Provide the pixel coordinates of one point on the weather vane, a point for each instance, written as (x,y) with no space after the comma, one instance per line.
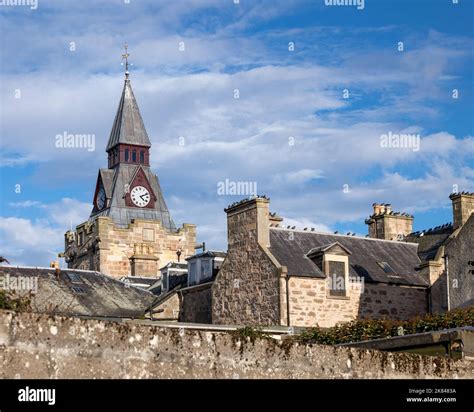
(125,57)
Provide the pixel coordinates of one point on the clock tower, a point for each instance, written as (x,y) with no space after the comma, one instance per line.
(130,230)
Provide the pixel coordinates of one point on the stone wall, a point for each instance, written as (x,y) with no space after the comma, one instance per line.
(246,289)
(196,304)
(140,249)
(34,346)
(169,308)
(310,304)
(461,251)
(393,302)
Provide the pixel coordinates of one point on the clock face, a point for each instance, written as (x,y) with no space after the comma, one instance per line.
(100,201)
(140,196)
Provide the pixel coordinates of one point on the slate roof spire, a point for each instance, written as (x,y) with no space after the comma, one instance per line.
(128,127)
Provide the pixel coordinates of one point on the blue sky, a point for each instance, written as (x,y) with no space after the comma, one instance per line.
(284,95)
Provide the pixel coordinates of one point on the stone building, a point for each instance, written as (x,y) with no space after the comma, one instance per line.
(186,297)
(447,256)
(277,276)
(130,230)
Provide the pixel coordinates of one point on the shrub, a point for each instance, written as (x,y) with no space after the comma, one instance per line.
(366,329)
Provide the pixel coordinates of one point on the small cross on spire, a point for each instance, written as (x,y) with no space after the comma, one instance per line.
(125,57)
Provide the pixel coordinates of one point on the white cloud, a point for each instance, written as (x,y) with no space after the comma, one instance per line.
(37,242)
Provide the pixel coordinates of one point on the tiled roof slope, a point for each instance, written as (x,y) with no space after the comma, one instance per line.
(430,240)
(81,292)
(290,248)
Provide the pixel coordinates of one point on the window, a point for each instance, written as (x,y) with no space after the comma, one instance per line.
(164,282)
(206,271)
(81,238)
(134,157)
(127,155)
(78,290)
(74,277)
(386,268)
(192,279)
(337,278)
(142,157)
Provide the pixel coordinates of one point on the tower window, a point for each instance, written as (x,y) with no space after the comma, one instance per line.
(134,156)
(142,157)
(127,154)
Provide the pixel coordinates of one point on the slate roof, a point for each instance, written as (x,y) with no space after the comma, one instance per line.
(429,241)
(118,210)
(208,253)
(141,282)
(107,177)
(291,252)
(128,125)
(81,292)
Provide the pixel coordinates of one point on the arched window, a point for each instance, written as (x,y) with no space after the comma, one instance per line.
(127,154)
(134,156)
(142,157)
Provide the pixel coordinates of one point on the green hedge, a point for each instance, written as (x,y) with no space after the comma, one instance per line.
(366,329)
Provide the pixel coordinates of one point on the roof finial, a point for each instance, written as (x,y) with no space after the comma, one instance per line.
(125,57)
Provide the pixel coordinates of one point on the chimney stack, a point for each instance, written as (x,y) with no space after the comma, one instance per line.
(463,207)
(385,224)
(248,220)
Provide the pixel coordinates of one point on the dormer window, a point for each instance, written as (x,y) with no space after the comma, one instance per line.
(206,269)
(333,261)
(192,277)
(165,282)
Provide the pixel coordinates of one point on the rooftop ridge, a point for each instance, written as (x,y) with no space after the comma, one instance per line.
(347,236)
(431,229)
(453,195)
(245,200)
(50,268)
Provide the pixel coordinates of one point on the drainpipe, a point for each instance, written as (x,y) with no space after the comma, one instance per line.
(287,300)
(446,265)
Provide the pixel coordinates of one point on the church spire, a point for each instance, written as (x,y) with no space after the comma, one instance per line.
(128,127)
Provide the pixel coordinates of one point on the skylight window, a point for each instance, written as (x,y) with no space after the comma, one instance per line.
(74,277)
(387,268)
(78,290)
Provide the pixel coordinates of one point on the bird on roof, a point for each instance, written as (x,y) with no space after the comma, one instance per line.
(2,259)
